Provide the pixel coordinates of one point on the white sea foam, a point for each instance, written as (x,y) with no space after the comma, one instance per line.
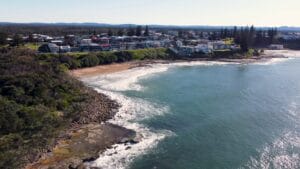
(277,155)
(199,63)
(273,61)
(125,80)
(132,111)
(128,79)
(284,53)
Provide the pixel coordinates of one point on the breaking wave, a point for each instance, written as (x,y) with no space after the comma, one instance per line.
(277,154)
(134,110)
(283,152)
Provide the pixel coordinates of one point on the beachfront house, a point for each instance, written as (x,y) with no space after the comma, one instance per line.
(276,47)
(186,50)
(205,48)
(92,47)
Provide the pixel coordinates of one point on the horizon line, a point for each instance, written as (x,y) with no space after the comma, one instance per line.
(174,25)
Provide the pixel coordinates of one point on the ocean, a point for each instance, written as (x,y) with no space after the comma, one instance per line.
(206,115)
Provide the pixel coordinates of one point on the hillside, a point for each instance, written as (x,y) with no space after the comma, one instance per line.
(38,103)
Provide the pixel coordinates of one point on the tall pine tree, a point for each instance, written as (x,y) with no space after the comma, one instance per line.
(146,33)
(138,31)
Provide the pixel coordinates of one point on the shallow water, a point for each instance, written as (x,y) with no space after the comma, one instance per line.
(208,115)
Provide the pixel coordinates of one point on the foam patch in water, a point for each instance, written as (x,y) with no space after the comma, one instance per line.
(131,112)
(277,155)
(125,80)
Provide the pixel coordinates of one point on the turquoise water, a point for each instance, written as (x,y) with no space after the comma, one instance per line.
(224,116)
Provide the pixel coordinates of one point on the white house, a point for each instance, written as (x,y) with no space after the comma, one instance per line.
(219,45)
(205,48)
(179,43)
(64,49)
(86,41)
(49,48)
(186,50)
(276,47)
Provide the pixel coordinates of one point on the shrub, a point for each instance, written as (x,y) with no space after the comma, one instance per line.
(89,60)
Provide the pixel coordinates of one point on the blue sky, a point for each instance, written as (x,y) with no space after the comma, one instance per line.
(173,12)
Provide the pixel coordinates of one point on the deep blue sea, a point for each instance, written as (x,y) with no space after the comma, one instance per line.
(207,116)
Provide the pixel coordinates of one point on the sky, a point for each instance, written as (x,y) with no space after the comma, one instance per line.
(165,12)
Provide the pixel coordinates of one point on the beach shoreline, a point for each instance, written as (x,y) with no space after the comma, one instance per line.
(119,67)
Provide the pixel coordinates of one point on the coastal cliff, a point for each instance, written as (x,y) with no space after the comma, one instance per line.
(48,118)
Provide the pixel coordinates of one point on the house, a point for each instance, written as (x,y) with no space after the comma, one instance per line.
(64,49)
(205,48)
(85,41)
(173,33)
(104,40)
(179,43)
(219,45)
(92,47)
(49,48)
(131,45)
(235,47)
(105,47)
(57,42)
(276,47)
(186,50)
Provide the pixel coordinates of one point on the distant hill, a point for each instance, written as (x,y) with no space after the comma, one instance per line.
(153,26)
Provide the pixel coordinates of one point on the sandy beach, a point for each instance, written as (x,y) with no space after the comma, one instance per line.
(118,67)
(103,69)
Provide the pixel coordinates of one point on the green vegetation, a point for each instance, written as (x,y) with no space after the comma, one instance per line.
(82,60)
(3,37)
(37,100)
(32,46)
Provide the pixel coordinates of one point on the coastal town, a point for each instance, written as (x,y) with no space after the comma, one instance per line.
(181,42)
(185,45)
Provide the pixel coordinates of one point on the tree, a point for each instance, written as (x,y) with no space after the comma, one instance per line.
(180,33)
(272,33)
(17,40)
(244,42)
(251,36)
(130,32)
(213,35)
(110,32)
(226,33)
(120,32)
(222,33)
(259,38)
(201,35)
(235,34)
(30,38)
(3,37)
(138,31)
(146,33)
